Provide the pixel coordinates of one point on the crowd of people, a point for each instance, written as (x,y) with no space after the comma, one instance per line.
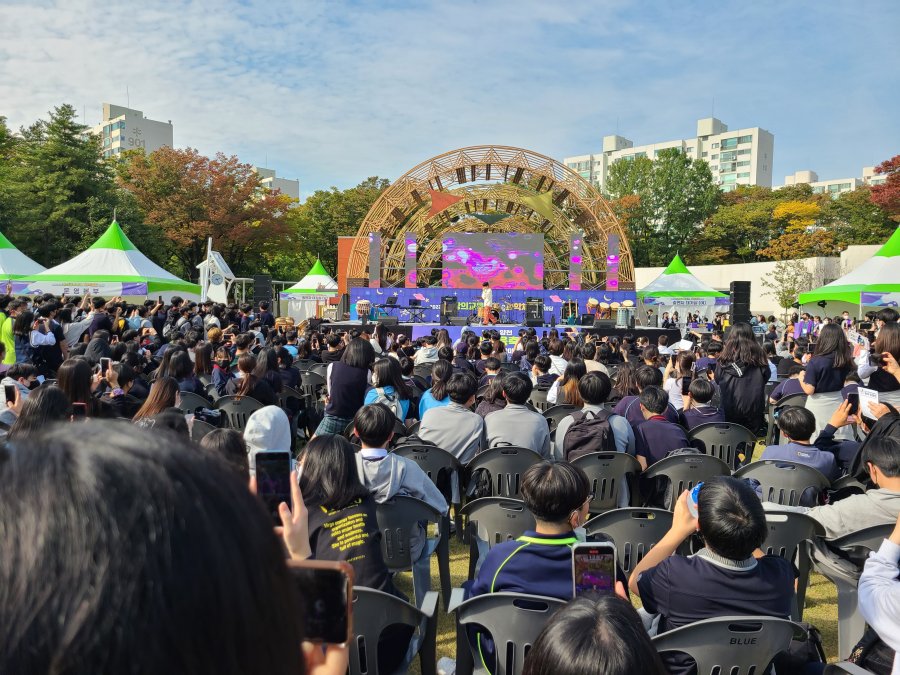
(123,541)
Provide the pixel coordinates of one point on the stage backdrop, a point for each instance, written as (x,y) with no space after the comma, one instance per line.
(514,260)
(512,303)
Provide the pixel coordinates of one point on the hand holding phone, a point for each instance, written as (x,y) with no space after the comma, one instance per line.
(325,596)
(273,481)
(105,363)
(594,568)
(685,385)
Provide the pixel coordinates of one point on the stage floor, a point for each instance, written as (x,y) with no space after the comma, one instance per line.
(510,332)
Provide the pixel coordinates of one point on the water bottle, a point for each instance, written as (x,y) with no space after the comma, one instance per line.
(692,499)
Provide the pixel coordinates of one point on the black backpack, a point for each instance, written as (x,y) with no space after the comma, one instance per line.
(590,432)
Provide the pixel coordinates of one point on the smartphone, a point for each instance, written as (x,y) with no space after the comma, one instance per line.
(273,480)
(79,412)
(325,598)
(594,568)
(685,386)
(160,300)
(104,365)
(9,392)
(853,400)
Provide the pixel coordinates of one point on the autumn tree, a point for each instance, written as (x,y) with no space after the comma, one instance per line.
(192,197)
(788,280)
(887,195)
(855,219)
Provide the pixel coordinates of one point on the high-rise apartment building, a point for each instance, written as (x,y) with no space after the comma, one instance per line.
(835,186)
(126,129)
(269,180)
(741,157)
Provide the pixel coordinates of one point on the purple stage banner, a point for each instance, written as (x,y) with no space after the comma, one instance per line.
(880,299)
(72,288)
(510,303)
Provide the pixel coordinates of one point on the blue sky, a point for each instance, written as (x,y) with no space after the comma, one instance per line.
(332,92)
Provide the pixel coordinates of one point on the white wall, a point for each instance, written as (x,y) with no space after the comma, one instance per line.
(720,277)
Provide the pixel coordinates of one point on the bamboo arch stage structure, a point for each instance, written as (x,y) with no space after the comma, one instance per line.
(491,188)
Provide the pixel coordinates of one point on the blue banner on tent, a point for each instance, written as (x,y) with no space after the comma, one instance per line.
(511,302)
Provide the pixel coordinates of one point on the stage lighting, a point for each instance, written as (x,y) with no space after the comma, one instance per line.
(822,304)
(795,305)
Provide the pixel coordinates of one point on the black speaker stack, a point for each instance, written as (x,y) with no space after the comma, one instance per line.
(739,296)
(449,310)
(262,289)
(534,312)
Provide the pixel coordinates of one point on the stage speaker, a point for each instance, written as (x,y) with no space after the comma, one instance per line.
(534,311)
(605,323)
(458,321)
(389,321)
(449,310)
(262,289)
(739,296)
(587,319)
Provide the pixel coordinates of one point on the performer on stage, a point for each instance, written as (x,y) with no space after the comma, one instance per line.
(487,297)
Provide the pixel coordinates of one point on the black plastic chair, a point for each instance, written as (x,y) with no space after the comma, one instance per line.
(373,611)
(191,401)
(774,435)
(538,399)
(846,668)
(507,367)
(607,472)
(238,409)
(787,530)
(505,464)
(557,414)
(737,645)
(318,369)
(311,386)
(634,532)
(783,482)
(493,520)
(725,440)
(685,471)
(398,519)
(199,429)
(513,620)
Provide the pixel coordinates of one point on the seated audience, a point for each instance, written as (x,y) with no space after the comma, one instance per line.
(491,369)
(541,376)
(45,407)
(697,409)
(679,368)
(629,407)
(454,427)
(796,359)
(789,387)
(879,592)
(797,426)
(592,428)
(588,353)
(268,430)
(564,391)
(429,351)
(555,350)
(722,579)
(594,636)
(437,395)
(250,385)
(388,387)
(492,400)
(229,445)
(516,424)
(657,437)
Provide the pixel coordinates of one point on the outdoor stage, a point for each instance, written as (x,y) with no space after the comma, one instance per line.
(510,332)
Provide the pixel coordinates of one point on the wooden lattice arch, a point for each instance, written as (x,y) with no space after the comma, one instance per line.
(493,179)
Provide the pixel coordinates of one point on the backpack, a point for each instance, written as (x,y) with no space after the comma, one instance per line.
(588,434)
(392,402)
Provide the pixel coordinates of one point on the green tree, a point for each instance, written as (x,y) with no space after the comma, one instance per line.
(8,143)
(316,224)
(676,195)
(63,191)
(854,219)
(787,280)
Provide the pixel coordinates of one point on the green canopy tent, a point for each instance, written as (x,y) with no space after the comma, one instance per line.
(677,287)
(112,266)
(15,264)
(875,283)
(307,294)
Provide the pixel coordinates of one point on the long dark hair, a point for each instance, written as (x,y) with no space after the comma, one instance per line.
(23,322)
(888,340)
(203,359)
(568,385)
(742,348)
(594,636)
(162,395)
(247,367)
(626,384)
(387,373)
(43,407)
(833,341)
(74,379)
(329,477)
(440,375)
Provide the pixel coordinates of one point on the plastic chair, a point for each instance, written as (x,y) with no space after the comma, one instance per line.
(845,667)
(783,482)
(493,520)
(238,409)
(191,401)
(513,620)
(373,611)
(212,393)
(320,369)
(538,399)
(423,370)
(787,531)
(634,532)
(398,518)
(851,624)
(607,472)
(199,429)
(737,645)
(774,435)
(725,440)
(311,385)
(505,464)
(557,414)
(507,367)
(685,471)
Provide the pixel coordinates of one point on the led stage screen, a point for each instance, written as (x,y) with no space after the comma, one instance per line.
(504,260)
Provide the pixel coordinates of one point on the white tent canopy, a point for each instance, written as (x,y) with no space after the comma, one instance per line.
(112,266)
(676,286)
(14,263)
(306,295)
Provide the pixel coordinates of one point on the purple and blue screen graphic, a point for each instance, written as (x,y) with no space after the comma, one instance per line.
(504,260)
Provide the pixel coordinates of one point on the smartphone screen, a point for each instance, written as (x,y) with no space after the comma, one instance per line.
(273,480)
(104,365)
(685,386)
(594,568)
(853,400)
(325,595)
(79,412)
(9,392)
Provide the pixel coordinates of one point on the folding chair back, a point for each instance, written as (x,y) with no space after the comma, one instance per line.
(557,414)
(538,399)
(724,440)
(199,429)
(505,464)
(191,401)
(634,532)
(783,482)
(238,409)
(787,531)
(607,472)
(685,471)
